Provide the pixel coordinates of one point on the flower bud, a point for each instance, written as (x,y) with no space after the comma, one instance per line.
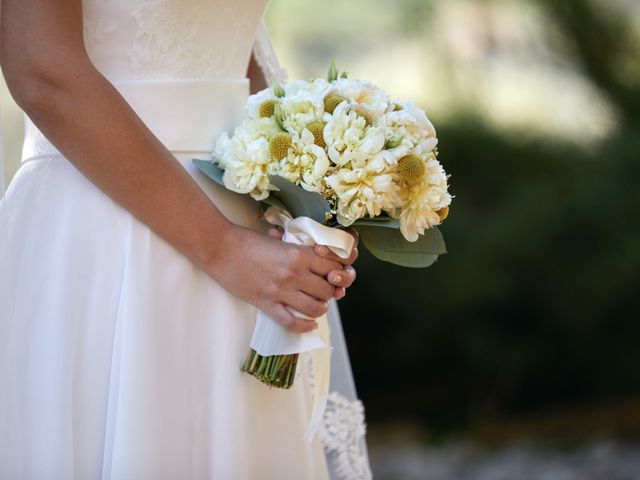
(394,142)
(332,75)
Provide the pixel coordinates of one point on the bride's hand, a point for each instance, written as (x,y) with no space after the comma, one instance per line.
(341,278)
(270,274)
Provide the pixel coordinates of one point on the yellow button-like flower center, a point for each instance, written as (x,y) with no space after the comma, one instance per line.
(267,108)
(317,128)
(331,101)
(279,145)
(443,213)
(411,168)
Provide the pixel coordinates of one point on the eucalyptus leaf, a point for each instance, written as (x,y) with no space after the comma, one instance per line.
(298,201)
(389,245)
(377,222)
(210,169)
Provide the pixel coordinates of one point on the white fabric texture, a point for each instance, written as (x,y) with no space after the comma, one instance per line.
(118,358)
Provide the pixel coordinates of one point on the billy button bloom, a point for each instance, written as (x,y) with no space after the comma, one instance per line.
(279,145)
(331,101)
(411,169)
(267,108)
(317,128)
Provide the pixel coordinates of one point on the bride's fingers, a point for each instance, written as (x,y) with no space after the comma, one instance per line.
(317,287)
(322,266)
(275,233)
(340,293)
(324,252)
(342,278)
(306,304)
(290,322)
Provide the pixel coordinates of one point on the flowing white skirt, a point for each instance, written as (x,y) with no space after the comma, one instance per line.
(118,358)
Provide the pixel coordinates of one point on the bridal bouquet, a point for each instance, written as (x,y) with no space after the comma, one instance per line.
(332,153)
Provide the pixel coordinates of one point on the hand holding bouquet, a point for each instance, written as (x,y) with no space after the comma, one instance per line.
(330,153)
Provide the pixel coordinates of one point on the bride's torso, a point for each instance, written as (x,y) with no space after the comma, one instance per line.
(171,39)
(181,65)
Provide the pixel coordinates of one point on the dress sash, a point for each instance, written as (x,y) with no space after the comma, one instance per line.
(185,115)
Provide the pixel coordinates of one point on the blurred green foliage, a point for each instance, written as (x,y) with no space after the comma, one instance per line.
(537,304)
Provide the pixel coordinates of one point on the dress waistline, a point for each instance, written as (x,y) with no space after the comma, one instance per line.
(186,115)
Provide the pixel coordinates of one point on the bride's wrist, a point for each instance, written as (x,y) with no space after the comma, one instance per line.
(214,248)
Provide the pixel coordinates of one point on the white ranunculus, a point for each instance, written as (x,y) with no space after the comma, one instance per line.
(422,202)
(412,123)
(303,104)
(363,96)
(364,191)
(348,138)
(306,164)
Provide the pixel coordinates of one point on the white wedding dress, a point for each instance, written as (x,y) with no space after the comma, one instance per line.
(118,358)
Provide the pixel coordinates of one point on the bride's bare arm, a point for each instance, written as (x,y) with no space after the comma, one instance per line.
(51,77)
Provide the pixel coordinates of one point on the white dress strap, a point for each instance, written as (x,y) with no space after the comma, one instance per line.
(2,186)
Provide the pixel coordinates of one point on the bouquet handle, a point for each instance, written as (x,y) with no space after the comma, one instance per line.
(269,338)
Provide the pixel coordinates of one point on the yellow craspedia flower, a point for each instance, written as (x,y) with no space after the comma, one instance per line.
(279,145)
(411,168)
(331,101)
(317,128)
(267,109)
(443,213)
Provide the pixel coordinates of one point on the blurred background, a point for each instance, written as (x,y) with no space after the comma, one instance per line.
(515,356)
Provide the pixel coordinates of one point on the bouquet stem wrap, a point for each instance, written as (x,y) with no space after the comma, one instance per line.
(269,338)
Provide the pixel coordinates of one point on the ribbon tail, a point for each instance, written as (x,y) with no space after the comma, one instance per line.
(322,367)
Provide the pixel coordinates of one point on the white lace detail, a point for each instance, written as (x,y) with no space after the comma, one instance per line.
(266,57)
(96,31)
(343,432)
(167,39)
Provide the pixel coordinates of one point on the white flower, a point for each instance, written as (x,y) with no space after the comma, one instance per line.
(423,202)
(363,96)
(348,139)
(255,101)
(302,104)
(364,191)
(412,123)
(245,160)
(306,164)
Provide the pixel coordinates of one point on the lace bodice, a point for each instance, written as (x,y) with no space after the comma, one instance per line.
(171,39)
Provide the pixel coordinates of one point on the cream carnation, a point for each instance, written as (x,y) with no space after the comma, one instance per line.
(306,163)
(364,191)
(302,104)
(364,97)
(423,202)
(246,164)
(348,138)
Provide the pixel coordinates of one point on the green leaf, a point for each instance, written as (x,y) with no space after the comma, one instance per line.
(389,245)
(210,169)
(377,222)
(298,201)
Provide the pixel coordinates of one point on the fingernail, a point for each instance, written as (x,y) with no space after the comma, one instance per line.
(337,278)
(322,250)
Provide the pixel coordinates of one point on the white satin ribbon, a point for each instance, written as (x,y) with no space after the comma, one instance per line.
(269,338)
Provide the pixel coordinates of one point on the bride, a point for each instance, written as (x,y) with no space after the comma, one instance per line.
(128,282)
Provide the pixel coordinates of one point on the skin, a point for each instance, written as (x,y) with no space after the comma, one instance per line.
(117,152)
